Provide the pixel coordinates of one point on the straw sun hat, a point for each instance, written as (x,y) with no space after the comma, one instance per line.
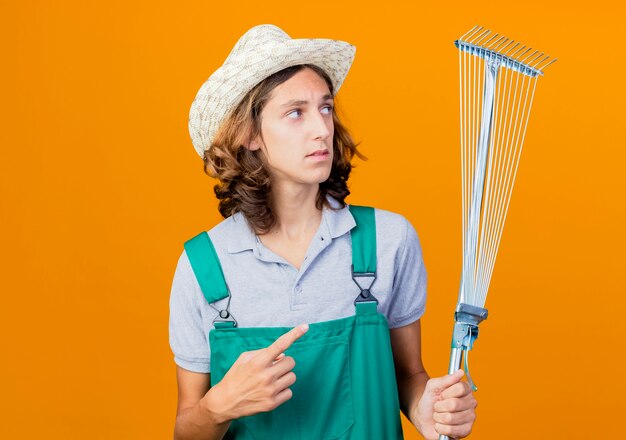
(259,53)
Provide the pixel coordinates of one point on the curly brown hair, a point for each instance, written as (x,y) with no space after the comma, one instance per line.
(244,182)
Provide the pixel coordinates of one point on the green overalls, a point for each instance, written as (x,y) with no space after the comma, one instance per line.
(345,379)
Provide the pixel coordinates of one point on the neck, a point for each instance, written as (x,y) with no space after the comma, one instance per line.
(295,210)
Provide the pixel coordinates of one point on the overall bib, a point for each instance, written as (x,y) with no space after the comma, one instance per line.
(345,379)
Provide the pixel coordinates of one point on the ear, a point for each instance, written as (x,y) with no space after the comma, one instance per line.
(254,144)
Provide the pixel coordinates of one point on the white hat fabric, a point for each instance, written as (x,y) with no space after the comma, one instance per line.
(259,53)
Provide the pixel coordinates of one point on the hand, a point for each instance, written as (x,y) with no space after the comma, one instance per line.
(447,407)
(259,380)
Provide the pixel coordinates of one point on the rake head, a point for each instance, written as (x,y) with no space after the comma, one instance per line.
(504,51)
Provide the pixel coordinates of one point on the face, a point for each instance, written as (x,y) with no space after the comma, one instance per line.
(297,129)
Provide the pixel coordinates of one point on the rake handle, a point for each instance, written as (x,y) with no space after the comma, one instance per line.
(456,355)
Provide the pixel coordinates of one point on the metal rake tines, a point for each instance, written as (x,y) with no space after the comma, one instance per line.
(497,83)
(504,51)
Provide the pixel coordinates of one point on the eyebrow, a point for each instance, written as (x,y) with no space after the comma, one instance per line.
(304,102)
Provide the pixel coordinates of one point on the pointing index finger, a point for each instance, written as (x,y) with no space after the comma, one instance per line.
(281,344)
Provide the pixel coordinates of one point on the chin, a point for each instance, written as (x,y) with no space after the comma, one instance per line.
(314,177)
(323,177)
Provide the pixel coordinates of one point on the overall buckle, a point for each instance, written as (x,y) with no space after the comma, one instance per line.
(365,295)
(224,316)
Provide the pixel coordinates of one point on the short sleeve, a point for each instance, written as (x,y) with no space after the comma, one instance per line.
(408,301)
(187,335)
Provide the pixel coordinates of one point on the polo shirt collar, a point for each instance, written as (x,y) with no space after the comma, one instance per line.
(339,221)
(241,237)
(335,223)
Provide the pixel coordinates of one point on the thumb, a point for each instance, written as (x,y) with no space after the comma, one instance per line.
(439,384)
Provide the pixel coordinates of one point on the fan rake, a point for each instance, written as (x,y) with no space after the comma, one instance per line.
(497,81)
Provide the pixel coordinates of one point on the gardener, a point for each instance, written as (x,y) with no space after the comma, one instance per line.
(290,252)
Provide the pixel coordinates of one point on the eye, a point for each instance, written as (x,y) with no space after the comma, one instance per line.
(329,108)
(293,112)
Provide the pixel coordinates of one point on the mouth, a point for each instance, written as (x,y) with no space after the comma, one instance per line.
(319,153)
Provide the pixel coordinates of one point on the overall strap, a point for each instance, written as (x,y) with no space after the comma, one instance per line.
(363,239)
(208,271)
(364,256)
(206,267)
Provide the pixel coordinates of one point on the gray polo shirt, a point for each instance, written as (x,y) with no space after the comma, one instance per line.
(267,291)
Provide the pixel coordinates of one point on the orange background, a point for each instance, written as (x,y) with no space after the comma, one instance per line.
(100,187)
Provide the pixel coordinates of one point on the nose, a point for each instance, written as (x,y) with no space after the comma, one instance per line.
(322,126)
